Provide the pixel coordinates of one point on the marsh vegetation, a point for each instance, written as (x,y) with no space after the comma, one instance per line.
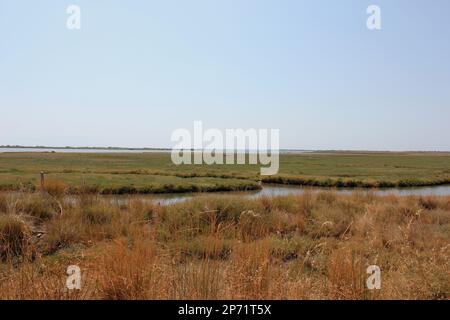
(310,246)
(128,173)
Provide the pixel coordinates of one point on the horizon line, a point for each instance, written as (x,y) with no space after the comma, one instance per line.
(168,148)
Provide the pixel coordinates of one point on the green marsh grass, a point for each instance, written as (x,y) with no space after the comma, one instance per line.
(122,173)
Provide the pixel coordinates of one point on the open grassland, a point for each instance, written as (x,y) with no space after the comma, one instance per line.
(313,246)
(155,173)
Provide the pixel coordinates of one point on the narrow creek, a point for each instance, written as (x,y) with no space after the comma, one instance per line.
(277,190)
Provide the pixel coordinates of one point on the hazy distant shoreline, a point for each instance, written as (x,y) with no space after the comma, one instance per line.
(78,148)
(19,148)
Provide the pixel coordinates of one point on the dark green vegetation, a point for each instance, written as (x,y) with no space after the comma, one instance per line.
(155,173)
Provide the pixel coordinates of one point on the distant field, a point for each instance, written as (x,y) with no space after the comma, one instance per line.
(154,172)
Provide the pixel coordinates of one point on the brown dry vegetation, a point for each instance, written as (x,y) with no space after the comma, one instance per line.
(313,246)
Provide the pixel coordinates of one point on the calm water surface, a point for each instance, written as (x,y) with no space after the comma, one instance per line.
(274,191)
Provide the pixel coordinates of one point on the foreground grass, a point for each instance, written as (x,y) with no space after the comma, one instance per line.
(118,173)
(313,246)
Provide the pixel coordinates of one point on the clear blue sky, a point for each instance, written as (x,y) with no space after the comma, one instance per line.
(137,70)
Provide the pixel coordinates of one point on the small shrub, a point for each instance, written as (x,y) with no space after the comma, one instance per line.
(55,188)
(14,236)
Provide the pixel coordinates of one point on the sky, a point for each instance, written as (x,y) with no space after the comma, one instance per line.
(138,70)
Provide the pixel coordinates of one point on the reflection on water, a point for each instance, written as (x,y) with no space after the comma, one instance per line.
(274,191)
(419,191)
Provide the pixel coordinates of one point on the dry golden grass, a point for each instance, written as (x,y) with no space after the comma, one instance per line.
(14,236)
(55,187)
(313,246)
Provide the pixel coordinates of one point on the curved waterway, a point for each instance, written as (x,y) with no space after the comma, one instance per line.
(277,190)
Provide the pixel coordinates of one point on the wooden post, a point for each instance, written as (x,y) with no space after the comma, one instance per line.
(42,180)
